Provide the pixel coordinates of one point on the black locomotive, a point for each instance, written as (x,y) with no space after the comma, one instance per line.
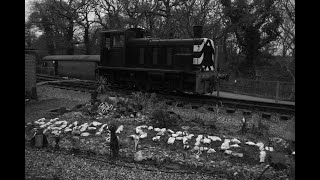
(128,57)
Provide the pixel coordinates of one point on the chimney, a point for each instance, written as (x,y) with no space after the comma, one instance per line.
(197,31)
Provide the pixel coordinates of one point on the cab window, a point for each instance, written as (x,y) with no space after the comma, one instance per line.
(108,45)
(118,40)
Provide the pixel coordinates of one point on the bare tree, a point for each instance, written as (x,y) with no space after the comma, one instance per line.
(286,42)
(133,9)
(287,8)
(67,10)
(165,10)
(86,8)
(255,25)
(29,34)
(46,20)
(108,14)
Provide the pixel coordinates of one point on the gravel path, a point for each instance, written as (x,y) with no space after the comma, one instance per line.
(40,164)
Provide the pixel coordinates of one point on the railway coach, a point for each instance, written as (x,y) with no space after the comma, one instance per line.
(129,57)
(76,66)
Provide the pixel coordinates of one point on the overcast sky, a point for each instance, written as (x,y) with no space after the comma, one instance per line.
(26,10)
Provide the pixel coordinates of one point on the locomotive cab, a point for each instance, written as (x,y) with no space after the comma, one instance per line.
(113,45)
(112,48)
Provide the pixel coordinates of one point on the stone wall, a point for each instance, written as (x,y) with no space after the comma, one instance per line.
(30,75)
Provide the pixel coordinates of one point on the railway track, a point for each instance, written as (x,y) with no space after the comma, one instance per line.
(42,77)
(66,83)
(197,100)
(235,103)
(75,85)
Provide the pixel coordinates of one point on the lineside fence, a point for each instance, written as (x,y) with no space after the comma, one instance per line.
(45,70)
(278,90)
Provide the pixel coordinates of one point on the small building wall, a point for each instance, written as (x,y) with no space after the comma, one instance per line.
(30,75)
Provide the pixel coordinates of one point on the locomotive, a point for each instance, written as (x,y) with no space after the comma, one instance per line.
(129,57)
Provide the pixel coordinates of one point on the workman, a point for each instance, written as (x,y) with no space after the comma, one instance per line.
(207,60)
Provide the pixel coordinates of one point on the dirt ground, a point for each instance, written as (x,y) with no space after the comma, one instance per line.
(51,98)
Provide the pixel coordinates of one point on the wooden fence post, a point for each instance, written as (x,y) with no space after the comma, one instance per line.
(277,91)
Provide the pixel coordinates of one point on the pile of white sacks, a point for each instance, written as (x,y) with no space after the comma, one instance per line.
(202,141)
(57,127)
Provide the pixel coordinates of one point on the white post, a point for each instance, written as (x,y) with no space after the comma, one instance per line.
(277,91)
(216,69)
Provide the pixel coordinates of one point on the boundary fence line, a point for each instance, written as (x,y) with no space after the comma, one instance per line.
(45,70)
(278,90)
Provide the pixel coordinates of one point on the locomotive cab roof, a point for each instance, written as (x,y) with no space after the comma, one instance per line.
(139,32)
(153,41)
(113,31)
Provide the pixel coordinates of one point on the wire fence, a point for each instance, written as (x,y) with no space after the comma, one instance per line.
(278,90)
(45,70)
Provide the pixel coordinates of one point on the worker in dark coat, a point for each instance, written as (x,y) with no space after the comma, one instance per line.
(207,51)
(207,60)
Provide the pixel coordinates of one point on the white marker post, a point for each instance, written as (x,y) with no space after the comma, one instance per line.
(277,91)
(216,69)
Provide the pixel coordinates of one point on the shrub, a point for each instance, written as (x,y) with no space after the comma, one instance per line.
(134,106)
(144,101)
(102,86)
(165,119)
(290,132)
(279,161)
(211,124)
(94,96)
(216,113)
(198,120)
(259,128)
(244,124)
